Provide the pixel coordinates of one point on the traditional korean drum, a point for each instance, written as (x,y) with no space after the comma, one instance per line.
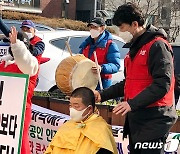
(75,71)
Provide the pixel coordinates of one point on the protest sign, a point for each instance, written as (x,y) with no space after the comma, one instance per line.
(46,122)
(13,92)
(43,127)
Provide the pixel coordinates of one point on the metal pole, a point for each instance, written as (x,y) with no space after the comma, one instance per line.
(100,2)
(95,6)
(1,8)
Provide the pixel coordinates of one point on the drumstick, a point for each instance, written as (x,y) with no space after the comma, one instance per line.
(99,76)
(68,47)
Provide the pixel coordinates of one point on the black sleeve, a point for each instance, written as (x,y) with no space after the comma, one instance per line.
(113,91)
(177,88)
(177,82)
(4,28)
(104,151)
(161,68)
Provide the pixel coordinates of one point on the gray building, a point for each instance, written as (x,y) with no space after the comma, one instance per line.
(85,10)
(88,9)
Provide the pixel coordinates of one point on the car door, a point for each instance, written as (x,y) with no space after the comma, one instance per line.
(119,76)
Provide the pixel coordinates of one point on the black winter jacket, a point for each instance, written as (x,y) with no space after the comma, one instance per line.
(148,123)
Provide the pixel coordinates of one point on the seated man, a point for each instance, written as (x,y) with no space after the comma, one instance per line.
(86,132)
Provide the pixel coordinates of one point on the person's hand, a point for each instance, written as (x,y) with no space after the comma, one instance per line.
(122,107)
(94,69)
(97,96)
(13,35)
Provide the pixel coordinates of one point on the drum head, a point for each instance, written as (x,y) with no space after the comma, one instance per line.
(75,71)
(82,75)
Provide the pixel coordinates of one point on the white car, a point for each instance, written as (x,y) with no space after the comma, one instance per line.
(56,50)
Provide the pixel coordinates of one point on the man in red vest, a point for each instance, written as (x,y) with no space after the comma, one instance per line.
(108,55)
(24,61)
(37,46)
(148,88)
(36,49)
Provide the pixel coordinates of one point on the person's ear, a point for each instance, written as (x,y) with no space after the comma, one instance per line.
(135,24)
(32,30)
(103,28)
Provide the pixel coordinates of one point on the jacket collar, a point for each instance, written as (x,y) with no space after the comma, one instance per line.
(100,43)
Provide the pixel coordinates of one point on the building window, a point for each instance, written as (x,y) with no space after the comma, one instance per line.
(164,13)
(23,3)
(176,5)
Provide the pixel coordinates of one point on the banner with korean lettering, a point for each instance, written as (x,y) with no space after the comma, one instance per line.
(4,50)
(13,92)
(45,123)
(43,127)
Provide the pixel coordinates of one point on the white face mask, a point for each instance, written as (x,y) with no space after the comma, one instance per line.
(77,115)
(126,36)
(94,33)
(29,35)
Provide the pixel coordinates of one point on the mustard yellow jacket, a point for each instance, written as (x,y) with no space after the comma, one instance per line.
(83,138)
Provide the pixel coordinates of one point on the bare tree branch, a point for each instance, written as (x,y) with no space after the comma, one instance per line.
(154,9)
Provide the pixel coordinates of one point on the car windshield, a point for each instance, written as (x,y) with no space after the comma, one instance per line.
(123,51)
(76,41)
(18,25)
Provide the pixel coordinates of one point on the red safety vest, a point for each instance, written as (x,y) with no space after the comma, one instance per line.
(138,77)
(35,40)
(13,68)
(101,57)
